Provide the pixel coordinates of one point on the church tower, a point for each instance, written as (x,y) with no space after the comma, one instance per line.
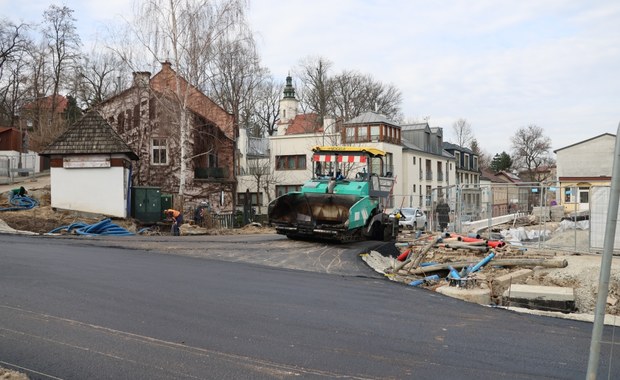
(288,104)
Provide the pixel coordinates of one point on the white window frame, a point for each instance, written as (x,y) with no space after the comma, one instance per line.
(159,147)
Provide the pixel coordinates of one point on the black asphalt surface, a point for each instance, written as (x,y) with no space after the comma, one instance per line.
(86,309)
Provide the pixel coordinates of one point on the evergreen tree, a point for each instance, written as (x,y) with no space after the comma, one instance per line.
(501,161)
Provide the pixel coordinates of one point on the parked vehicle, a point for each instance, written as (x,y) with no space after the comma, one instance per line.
(412,218)
(343,201)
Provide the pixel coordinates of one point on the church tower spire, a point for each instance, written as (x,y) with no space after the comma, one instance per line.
(289,90)
(288,103)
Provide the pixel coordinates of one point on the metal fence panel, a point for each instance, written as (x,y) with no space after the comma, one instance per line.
(599,204)
(547,215)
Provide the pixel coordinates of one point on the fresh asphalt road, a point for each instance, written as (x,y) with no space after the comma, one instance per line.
(76,310)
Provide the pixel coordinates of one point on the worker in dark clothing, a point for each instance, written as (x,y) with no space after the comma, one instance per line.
(177,220)
(19,192)
(443,215)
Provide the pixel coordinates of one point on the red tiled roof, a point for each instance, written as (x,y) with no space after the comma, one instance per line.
(46,103)
(305,123)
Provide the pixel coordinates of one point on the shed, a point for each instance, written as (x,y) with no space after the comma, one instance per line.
(90,168)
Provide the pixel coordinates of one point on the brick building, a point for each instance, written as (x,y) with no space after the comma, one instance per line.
(150,117)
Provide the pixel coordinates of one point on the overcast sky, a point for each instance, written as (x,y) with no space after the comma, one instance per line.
(501,65)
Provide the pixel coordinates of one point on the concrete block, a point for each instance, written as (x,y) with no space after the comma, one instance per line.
(476,295)
(552,298)
(500,283)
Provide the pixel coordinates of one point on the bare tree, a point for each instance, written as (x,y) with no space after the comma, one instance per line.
(484,159)
(12,41)
(64,43)
(100,75)
(318,88)
(266,108)
(531,151)
(463,132)
(14,44)
(236,75)
(354,94)
(263,177)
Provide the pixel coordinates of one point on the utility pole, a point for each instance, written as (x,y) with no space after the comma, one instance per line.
(608,247)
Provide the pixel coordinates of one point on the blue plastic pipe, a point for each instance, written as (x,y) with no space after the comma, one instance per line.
(454,274)
(483,262)
(425,279)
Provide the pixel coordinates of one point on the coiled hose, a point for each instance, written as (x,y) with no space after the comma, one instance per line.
(103,227)
(22,202)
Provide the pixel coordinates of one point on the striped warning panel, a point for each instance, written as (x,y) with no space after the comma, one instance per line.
(334,158)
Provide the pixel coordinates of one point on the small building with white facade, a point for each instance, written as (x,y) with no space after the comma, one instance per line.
(584,165)
(90,168)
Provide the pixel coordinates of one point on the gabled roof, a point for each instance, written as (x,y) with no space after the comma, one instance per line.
(89,135)
(165,82)
(371,118)
(510,177)
(500,177)
(581,142)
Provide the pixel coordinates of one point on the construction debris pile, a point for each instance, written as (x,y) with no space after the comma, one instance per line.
(475,268)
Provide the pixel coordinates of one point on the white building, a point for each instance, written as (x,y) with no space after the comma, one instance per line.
(584,165)
(90,168)
(423,170)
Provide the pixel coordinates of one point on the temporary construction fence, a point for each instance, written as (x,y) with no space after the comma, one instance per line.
(18,165)
(566,218)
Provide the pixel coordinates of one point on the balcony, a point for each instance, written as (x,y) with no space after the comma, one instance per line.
(210,173)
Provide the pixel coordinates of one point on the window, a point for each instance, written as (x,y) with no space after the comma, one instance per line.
(159,151)
(255,198)
(285,189)
(362,134)
(292,162)
(374,133)
(584,193)
(350,134)
(414,160)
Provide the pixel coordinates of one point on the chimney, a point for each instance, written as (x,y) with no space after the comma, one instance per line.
(141,78)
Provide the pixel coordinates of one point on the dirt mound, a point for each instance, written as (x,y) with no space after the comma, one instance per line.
(44,219)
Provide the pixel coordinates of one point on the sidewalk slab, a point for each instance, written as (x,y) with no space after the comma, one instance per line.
(553,298)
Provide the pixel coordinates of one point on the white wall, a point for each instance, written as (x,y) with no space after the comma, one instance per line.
(591,158)
(96,190)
